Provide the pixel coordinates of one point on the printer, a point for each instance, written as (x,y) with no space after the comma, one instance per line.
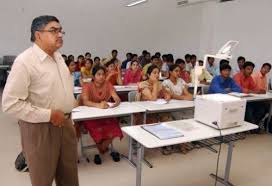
(219,111)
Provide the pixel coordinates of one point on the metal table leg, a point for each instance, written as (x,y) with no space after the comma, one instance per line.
(139,165)
(225,180)
(144,160)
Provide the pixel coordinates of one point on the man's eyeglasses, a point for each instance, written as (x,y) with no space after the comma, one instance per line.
(54,31)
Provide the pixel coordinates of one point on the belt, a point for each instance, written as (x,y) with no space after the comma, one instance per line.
(68,115)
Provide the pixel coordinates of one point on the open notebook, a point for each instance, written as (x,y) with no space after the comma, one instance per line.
(162,131)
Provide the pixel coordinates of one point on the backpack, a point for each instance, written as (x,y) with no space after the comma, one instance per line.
(20,163)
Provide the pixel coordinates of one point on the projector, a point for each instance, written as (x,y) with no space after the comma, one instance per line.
(220,111)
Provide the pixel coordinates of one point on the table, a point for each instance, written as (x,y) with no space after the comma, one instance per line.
(262,97)
(4,67)
(172,105)
(125,88)
(193,131)
(83,113)
(119,89)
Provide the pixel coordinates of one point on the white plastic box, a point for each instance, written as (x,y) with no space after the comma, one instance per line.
(220,111)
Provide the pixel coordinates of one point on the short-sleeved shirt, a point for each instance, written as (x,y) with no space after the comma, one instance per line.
(176,89)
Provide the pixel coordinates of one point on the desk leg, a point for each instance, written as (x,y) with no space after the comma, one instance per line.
(225,180)
(139,165)
(269,117)
(144,160)
(130,149)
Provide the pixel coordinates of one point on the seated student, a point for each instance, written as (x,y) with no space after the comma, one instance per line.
(64,57)
(254,110)
(72,68)
(134,57)
(188,64)
(184,74)
(114,54)
(223,83)
(178,90)
(88,55)
(151,90)
(211,67)
(204,78)
(240,62)
(133,75)
(97,94)
(154,61)
(145,59)
(86,74)
(175,85)
(164,68)
(113,75)
(245,80)
(260,78)
(80,63)
(124,63)
(71,57)
(96,61)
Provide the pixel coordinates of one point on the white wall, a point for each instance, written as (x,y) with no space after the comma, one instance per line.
(99,26)
(248,21)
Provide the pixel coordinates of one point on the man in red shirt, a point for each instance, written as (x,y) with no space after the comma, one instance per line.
(255,111)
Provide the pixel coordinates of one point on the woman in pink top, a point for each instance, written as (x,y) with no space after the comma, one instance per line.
(133,74)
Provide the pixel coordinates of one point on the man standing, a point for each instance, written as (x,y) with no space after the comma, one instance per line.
(39,92)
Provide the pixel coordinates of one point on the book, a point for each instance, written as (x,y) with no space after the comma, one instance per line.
(162,131)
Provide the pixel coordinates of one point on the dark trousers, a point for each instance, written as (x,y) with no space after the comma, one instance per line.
(255,111)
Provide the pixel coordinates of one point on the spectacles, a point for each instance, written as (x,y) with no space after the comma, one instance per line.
(54,31)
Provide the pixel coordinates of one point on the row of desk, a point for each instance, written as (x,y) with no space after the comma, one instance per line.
(192,130)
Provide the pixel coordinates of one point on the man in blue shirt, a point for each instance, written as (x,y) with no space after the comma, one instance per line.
(223,83)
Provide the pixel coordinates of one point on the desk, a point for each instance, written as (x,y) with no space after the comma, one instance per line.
(192,130)
(82,113)
(125,88)
(118,88)
(77,90)
(262,97)
(172,105)
(4,67)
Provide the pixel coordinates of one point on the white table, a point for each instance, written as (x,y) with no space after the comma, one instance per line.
(4,67)
(262,97)
(193,131)
(172,105)
(83,113)
(125,88)
(119,89)
(77,90)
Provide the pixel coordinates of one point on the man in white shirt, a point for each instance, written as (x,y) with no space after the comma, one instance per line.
(39,92)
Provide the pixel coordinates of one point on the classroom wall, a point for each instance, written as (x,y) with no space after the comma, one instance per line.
(99,26)
(247,21)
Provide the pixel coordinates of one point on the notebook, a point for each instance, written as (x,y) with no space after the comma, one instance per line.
(162,131)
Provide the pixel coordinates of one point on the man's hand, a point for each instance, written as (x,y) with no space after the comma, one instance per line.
(57,118)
